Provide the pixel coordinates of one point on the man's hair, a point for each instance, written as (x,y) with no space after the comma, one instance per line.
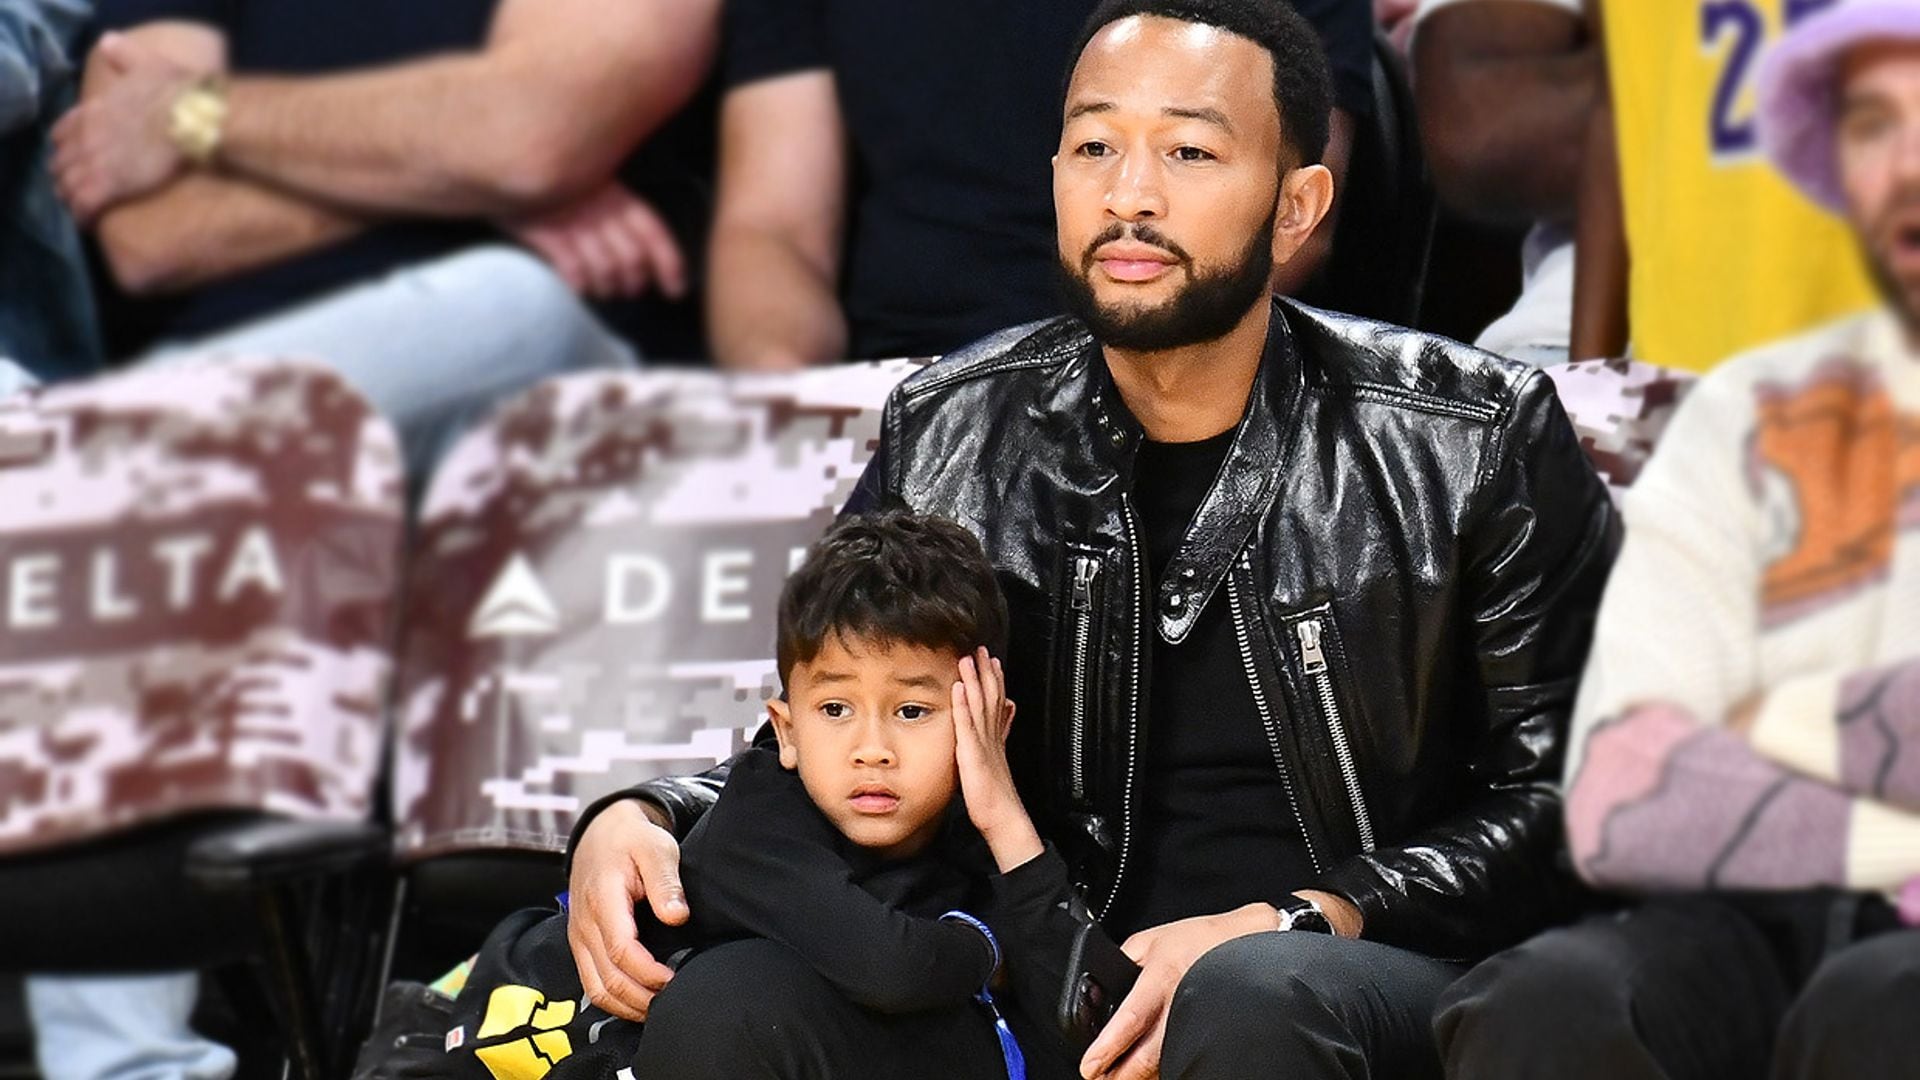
(892,578)
(1302,83)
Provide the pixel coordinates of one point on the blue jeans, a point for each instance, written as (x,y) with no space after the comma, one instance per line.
(434,347)
(121,1028)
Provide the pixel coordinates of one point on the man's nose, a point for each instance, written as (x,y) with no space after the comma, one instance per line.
(1138,191)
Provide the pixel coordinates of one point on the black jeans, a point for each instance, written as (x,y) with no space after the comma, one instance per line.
(121,904)
(1685,989)
(1269,1005)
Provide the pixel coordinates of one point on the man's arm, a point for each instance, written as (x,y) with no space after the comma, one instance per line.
(1858,731)
(1601,257)
(202,228)
(1540,551)
(1505,91)
(773,302)
(562,92)
(1664,802)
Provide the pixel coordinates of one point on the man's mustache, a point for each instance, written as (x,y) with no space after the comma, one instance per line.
(1142,232)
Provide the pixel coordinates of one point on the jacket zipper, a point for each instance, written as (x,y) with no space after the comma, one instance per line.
(1133,698)
(1313,659)
(1266,715)
(1085,569)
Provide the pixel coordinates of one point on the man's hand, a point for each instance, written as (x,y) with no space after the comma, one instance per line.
(625,856)
(607,245)
(982,718)
(114,145)
(1129,1046)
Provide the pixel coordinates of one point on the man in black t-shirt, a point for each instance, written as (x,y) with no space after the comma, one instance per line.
(884,187)
(388,137)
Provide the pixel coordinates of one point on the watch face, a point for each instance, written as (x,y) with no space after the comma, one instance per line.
(1308,919)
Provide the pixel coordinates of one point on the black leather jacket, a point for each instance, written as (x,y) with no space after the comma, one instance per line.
(1412,546)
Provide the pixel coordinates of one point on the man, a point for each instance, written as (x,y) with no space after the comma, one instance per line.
(1690,249)
(1505,89)
(1299,601)
(1747,732)
(883,183)
(401,137)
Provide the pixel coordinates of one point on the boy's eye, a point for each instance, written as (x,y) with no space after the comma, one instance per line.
(914,712)
(836,710)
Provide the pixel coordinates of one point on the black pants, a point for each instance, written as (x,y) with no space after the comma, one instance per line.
(1271,1005)
(121,904)
(1694,989)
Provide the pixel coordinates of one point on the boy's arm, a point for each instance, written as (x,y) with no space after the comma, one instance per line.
(770,871)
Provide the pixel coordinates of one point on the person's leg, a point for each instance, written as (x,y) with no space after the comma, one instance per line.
(1305,1006)
(435,346)
(1859,1017)
(14,379)
(121,1028)
(754,1010)
(1684,989)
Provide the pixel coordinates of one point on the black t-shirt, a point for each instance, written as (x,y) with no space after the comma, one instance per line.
(1216,829)
(305,37)
(953,112)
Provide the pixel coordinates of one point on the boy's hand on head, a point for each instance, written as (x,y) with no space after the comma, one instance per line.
(982,717)
(624,857)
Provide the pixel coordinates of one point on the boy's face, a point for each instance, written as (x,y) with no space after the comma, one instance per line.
(869,727)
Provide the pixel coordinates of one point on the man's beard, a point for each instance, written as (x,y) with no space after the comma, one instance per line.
(1210,305)
(1878,243)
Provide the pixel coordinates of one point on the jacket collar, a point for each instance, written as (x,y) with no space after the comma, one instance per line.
(1240,495)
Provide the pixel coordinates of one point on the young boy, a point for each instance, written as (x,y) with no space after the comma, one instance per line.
(845,844)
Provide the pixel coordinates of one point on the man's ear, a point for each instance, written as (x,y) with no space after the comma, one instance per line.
(782,718)
(1306,194)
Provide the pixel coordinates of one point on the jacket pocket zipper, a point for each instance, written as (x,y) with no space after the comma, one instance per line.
(1313,659)
(1266,717)
(1086,568)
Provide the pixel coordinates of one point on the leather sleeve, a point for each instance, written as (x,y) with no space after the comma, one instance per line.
(1543,538)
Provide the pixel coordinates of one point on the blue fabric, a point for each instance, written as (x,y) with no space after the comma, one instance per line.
(47,319)
(1009,1046)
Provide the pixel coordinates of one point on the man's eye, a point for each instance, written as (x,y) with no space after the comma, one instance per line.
(1094,149)
(1192,153)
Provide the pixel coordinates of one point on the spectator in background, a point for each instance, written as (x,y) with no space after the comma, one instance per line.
(1690,248)
(1749,726)
(402,135)
(1505,91)
(47,324)
(884,188)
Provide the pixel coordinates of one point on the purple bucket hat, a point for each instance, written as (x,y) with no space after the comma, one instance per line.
(1796,87)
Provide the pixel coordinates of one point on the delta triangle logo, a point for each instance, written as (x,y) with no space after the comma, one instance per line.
(516,605)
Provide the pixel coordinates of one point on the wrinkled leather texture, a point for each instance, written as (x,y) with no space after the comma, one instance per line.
(1426,503)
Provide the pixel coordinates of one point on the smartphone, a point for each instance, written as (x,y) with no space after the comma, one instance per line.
(1099,977)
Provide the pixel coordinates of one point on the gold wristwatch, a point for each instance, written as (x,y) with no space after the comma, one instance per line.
(197,118)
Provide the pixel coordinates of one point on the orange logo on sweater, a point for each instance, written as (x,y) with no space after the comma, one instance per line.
(1842,471)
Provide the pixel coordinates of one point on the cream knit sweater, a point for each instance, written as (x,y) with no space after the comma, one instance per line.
(1771,572)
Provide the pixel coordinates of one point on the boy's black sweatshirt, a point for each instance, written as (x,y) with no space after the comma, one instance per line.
(765,862)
